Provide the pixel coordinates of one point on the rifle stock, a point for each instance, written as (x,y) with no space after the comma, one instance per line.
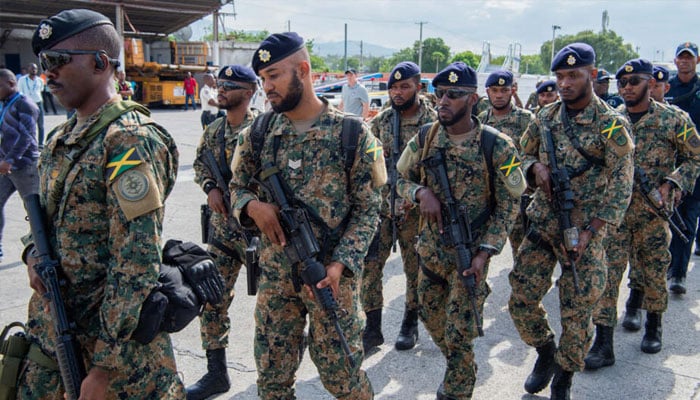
(653,198)
(70,361)
(394,174)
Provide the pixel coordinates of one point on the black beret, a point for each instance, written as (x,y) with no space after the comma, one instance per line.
(635,66)
(275,48)
(456,74)
(574,55)
(63,25)
(660,73)
(237,73)
(602,75)
(547,86)
(500,78)
(403,70)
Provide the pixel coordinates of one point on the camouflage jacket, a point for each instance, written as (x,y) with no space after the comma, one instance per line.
(106,230)
(211,139)
(599,191)
(382,127)
(468,175)
(513,124)
(667,146)
(312,163)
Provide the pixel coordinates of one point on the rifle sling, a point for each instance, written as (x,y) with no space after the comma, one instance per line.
(591,160)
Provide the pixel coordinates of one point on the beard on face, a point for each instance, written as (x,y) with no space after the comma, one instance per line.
(230,104)
(461,113)
(644,93)
(503,107)
(580,96)
(295,90)
(406,105)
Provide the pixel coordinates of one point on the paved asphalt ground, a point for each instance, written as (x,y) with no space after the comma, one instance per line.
(504,361)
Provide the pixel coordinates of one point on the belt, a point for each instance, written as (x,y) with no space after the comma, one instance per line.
(535,237)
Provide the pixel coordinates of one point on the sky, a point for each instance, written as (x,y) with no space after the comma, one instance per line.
(655,27)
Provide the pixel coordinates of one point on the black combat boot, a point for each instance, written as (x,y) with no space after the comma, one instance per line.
(633,316)
(601,353)
(372,334)
(543,370)
(215,381)
(408,336)
(651,342)
(561,384)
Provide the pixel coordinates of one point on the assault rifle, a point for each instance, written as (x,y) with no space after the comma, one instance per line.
(394,174)
(563,203)
(302,249)
(252,245)
(70,361)
(457,229)
(653,197)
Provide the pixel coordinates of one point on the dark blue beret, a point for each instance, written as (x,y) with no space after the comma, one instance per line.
(602,75)
(500,78)
(547,86)
(635,66)
(275,48)
(456,74)
(690,47)
(237,73)
(660,73)
(574,55)
(403,70)
(63,25)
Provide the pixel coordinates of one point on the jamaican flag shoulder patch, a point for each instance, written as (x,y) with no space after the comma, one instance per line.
(122,163)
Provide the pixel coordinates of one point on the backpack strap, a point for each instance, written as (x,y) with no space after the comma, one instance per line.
(350,136)
(259,129)
(488,140)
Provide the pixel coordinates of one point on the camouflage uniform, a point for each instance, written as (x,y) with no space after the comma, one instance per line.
(513,125)
(600,191)
(215,323)
(407,224)
(312,164)
(661,138)
(445,305)
(109,250)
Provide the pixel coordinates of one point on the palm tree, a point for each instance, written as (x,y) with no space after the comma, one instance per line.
(437,56)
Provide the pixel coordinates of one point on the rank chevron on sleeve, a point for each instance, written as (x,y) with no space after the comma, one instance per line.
(123,162)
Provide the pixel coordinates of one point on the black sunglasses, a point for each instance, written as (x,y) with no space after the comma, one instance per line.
(52,59)
(452,93)
(634,81)
(228,86)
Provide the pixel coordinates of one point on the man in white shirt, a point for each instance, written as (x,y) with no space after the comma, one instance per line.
(207,96)
(31,86)
(354,97)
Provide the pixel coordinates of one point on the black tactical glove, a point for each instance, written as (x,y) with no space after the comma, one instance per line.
(206,281)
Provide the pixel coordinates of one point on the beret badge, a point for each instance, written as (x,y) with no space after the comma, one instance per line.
(501,81)
(229,72)
(264,55)
(453,78)
(629,68)
(660,75)
(571,60)
(397,75)
(45,31)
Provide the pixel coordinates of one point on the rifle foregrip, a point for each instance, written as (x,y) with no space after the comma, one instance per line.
(69,364)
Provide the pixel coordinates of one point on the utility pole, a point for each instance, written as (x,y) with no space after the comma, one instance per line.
(289,25)
(345,54)
(420,45)
(554,29)
(361,54)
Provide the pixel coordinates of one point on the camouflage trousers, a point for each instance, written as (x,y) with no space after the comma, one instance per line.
(446,312)
(280,318)
(372,274)
(531,279)
(215,324)
(148,371)
(516,234)
(643,239)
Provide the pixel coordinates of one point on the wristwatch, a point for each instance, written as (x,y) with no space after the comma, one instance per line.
(208,187)
(488,250)
(591,229)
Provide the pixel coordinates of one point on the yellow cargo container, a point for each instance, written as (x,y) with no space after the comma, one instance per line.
(133,52)
(168,93)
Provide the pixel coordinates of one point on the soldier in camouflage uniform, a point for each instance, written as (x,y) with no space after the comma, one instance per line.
(105,216)
(511,120)
(491,201)
(404,82)
(662,136)
(600,168)
(303,140)
(546,94)
(659,86)
(236,86)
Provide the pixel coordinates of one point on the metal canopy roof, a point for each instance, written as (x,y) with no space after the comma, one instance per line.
(141,17)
